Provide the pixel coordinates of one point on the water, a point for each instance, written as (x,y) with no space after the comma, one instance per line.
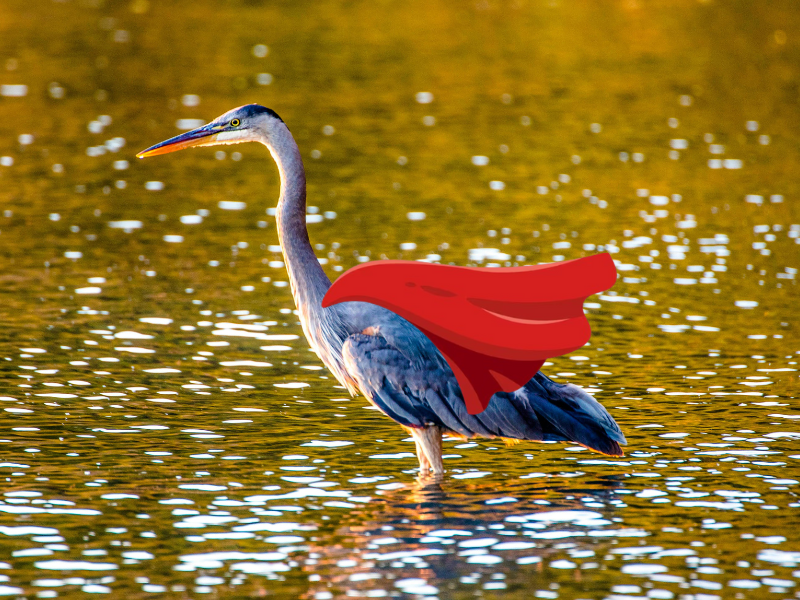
(167,431)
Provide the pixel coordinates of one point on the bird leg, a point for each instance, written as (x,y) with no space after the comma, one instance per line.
(429,449)
(424,465)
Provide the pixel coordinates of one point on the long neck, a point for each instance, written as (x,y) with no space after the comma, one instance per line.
(308,280)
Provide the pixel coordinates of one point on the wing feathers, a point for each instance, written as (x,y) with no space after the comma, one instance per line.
(417,394)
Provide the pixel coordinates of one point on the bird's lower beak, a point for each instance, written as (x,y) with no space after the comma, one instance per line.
(202,136)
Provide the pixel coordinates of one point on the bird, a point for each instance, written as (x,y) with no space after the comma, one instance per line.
(374,351)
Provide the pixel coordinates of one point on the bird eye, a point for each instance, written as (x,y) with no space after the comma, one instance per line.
(235,123)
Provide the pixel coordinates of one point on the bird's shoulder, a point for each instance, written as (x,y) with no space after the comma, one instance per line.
(369,354)
(396,332)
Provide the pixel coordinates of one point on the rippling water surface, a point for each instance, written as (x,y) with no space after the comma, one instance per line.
(166,430)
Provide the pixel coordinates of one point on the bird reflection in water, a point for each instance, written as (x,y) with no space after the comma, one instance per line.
(372,350)
(429,534)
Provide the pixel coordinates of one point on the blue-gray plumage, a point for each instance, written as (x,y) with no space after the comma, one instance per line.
(374,351)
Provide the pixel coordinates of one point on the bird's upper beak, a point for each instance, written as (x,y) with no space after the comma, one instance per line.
(202,136)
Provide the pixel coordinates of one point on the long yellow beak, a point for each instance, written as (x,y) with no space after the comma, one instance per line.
(202,136)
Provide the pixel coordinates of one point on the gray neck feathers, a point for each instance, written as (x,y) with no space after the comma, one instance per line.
(324,328)
(308,280)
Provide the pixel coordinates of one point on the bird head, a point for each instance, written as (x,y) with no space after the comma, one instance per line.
(248,123)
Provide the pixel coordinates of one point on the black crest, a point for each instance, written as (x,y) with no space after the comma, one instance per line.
(251,110)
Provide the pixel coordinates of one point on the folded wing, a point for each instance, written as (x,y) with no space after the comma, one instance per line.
(494,326)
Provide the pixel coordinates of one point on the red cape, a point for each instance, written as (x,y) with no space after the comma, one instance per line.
(494,326)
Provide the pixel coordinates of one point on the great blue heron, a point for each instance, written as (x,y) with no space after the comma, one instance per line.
(374,351)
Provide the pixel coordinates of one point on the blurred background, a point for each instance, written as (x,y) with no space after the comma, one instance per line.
(166,430)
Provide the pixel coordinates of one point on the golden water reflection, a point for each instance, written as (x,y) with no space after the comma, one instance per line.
(167,431)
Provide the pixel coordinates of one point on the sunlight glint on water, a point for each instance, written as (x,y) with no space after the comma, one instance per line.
(166,430)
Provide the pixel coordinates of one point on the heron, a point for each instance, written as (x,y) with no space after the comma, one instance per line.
(374,351)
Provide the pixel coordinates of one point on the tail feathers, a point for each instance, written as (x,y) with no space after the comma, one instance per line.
(567,413)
